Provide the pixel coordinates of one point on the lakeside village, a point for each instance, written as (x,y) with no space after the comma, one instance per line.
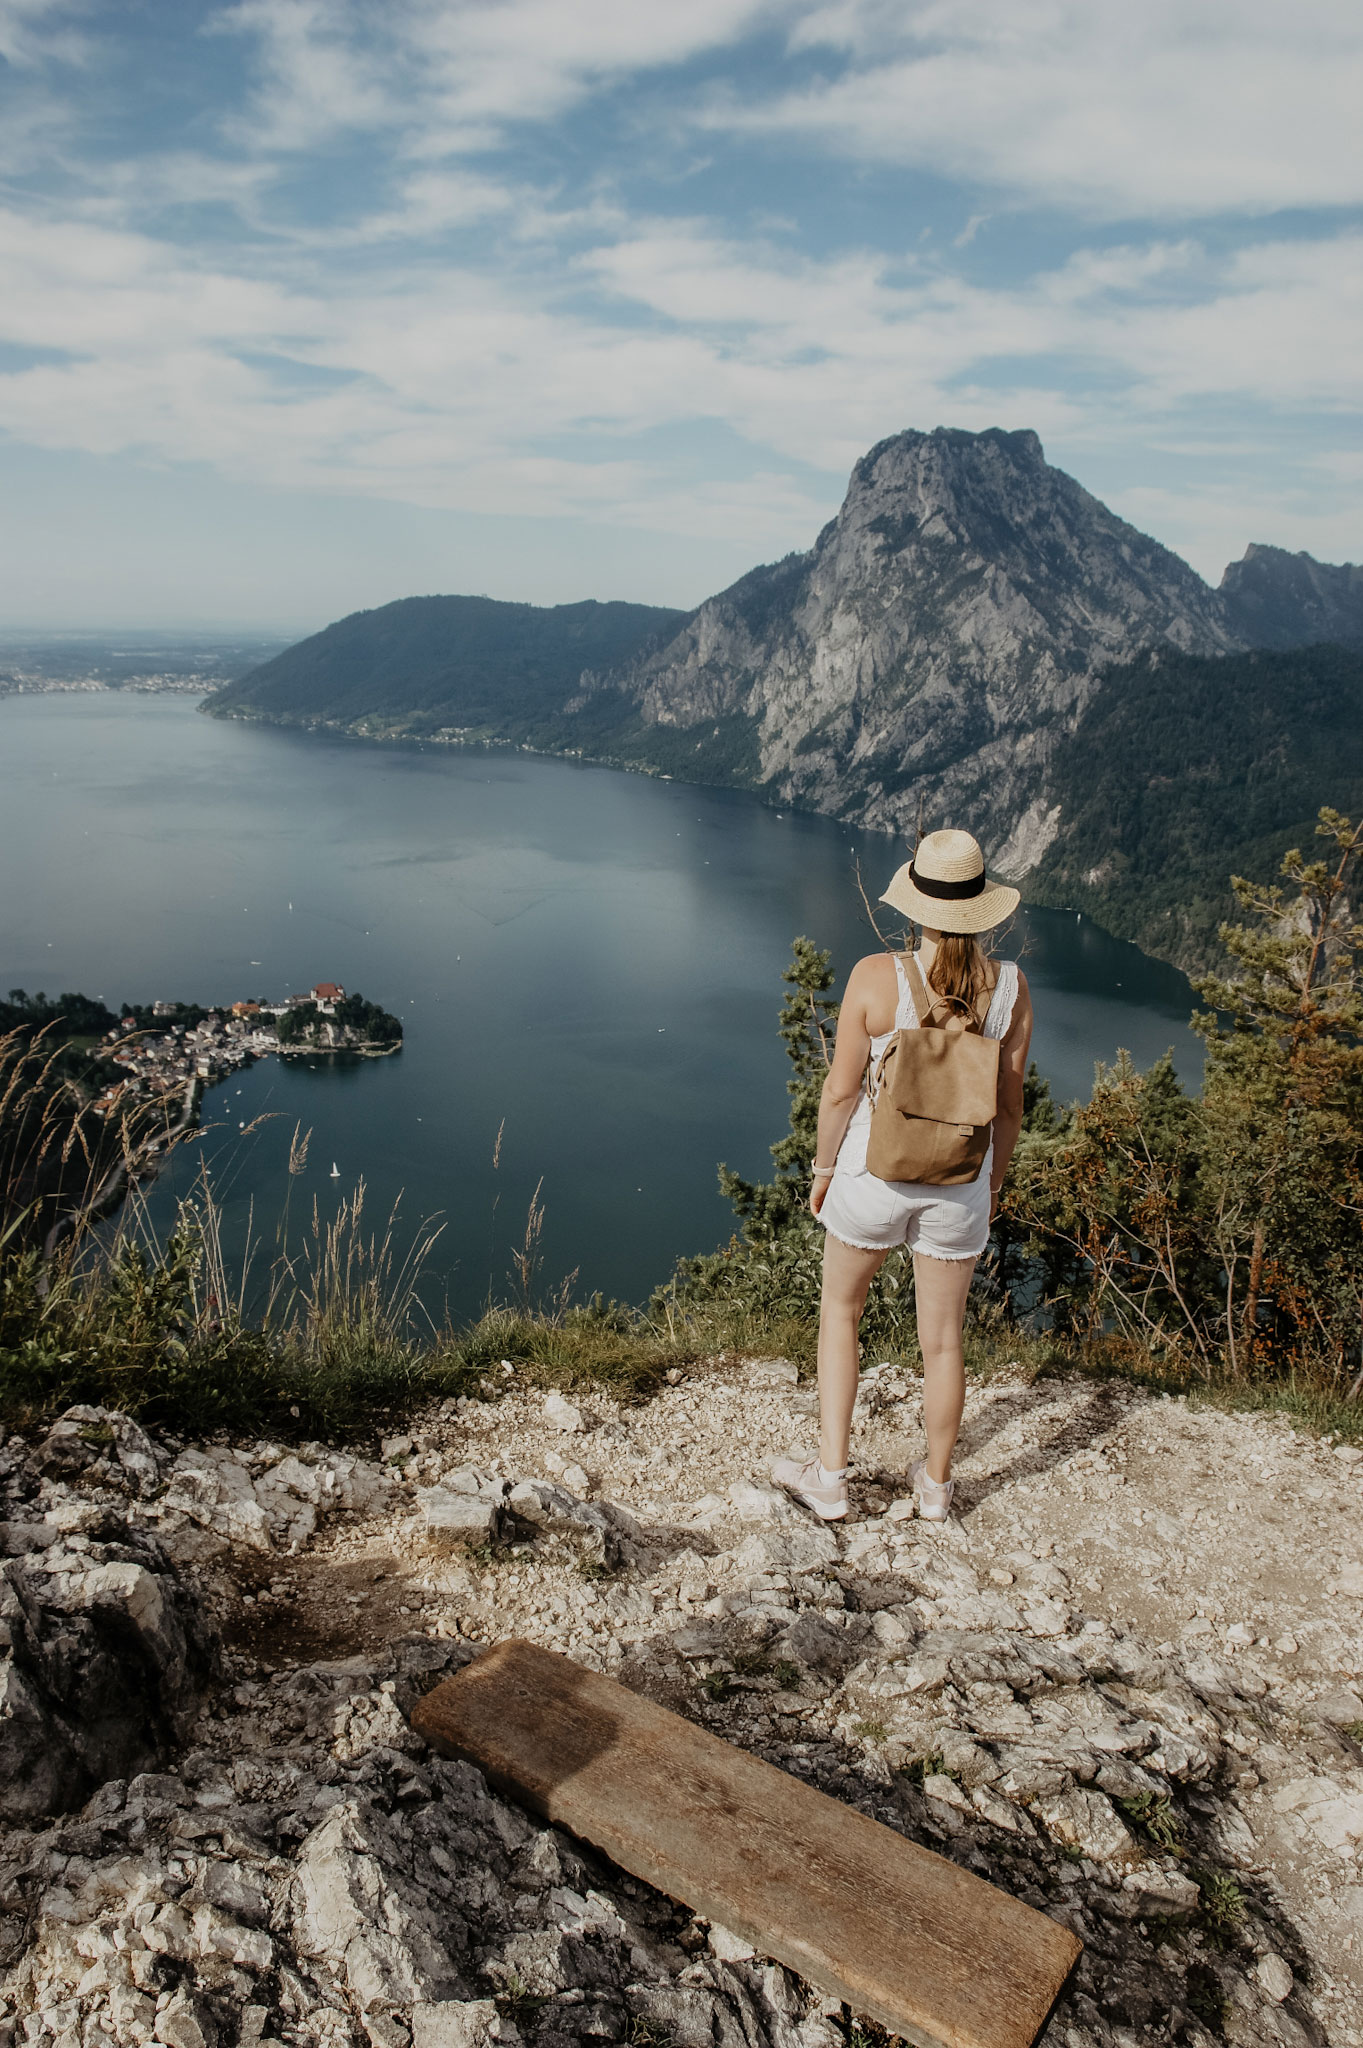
(195,1047)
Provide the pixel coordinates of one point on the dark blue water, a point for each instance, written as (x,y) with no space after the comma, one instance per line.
(588,959)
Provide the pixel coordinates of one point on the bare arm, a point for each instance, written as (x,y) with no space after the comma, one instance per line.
(842,1088)
(1012,1073)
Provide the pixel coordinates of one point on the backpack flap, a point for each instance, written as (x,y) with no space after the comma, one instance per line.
(949,1076)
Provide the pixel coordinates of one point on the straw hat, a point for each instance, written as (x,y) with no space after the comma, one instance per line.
(944,886)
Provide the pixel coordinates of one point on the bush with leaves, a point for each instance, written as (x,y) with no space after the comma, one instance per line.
(1283,1110)
(1228,1228)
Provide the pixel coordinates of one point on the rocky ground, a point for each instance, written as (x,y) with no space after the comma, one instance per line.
(1124,1683)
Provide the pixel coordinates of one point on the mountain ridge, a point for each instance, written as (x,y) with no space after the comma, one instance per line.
(936,652)
(409,664)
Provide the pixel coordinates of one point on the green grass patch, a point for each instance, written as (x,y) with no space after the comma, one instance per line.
(1221,1908)
(1156,1817)
(645,2033)
(519,2001)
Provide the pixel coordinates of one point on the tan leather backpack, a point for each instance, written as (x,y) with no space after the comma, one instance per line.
(935,1091)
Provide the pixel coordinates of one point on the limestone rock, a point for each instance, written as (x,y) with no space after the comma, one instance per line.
(82,1434)
(102,1657)
(267,1500)
(354,1909)
(1333,1812)
(453,1520)
(752,1502)
(562,1414)
(1165,1890)
(595,1529)
(773,1372)
(1341,1709)
(1084,1820)
(1274,1976)
(729,1947)
(455,2023)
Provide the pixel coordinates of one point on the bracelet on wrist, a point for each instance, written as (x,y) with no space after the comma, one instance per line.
(822,1172)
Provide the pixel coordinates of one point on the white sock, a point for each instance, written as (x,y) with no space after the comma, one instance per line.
(827,1478)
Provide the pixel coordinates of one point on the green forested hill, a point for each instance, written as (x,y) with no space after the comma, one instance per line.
(467,665)
(1184,771)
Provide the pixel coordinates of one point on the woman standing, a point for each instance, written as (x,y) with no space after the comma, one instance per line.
(945,891)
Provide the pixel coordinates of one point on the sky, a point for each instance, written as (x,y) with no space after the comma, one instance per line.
(306,305)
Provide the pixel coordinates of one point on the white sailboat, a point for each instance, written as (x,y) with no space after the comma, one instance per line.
(335,1171)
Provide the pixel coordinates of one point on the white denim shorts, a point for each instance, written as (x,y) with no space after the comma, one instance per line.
(880,1215)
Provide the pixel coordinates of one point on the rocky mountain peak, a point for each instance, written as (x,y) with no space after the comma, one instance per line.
(1273,598)
(941,469)
(948,643)
(995,495)
(966,595)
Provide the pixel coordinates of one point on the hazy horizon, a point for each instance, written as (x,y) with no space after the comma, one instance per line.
(100,630)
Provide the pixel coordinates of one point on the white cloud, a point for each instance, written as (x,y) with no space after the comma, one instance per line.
(316,80)
(452,388)
(453,74)
(464,336)
(530,59)
(31,34)
(1171,109)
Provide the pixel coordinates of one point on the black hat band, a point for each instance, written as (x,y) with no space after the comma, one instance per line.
(947,891)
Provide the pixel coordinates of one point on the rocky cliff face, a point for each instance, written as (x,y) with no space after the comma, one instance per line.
(937,641)
(1274,599)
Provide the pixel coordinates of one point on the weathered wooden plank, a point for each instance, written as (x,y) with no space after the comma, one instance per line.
(931,1951)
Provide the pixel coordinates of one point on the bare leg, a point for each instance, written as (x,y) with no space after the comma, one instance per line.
(940,1289)
(847,1274)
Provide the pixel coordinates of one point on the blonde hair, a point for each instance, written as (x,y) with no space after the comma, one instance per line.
(960,969)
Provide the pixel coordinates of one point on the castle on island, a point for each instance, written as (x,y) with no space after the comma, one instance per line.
(197,1047)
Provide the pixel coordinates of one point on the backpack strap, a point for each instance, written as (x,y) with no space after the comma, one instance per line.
(926,999)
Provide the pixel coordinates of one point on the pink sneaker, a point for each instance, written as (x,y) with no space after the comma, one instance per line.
(829,1503)
(934,1495)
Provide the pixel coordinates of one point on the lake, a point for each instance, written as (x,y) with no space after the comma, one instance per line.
(589,962)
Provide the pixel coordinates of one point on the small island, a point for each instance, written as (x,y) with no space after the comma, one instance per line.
(328,1020)
(167,1046)
(96,1097)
